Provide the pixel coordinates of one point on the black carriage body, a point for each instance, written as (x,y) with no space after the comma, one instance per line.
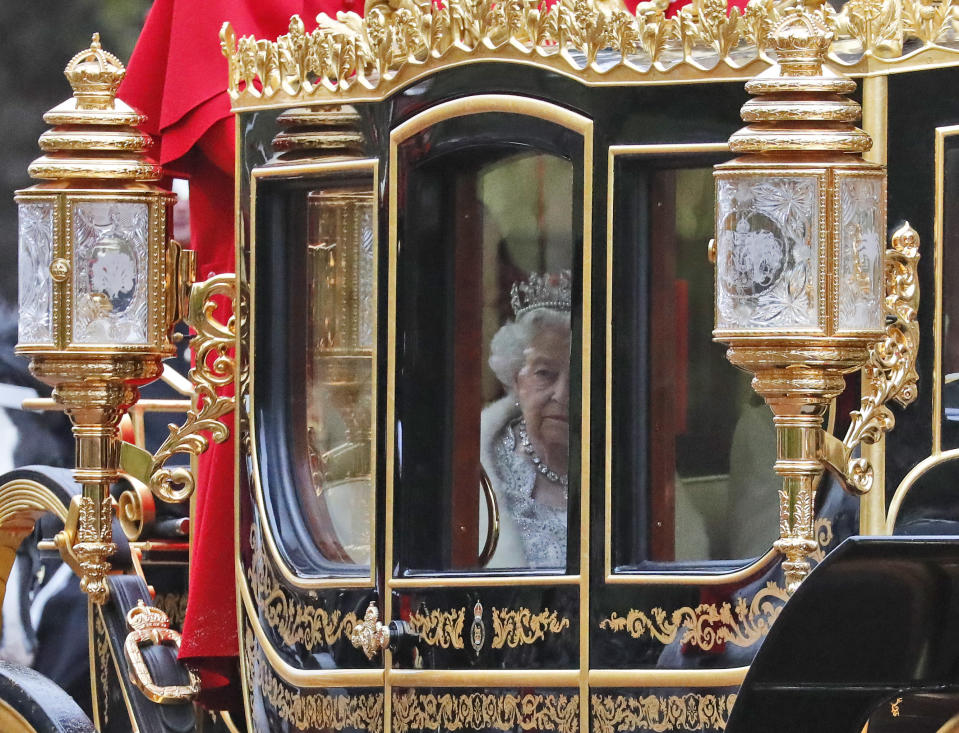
(637,631)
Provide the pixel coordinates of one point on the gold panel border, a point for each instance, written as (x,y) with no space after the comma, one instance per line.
(299,170)
(480,678)
(484,581)
(359,58)
(415,711)
(684,712)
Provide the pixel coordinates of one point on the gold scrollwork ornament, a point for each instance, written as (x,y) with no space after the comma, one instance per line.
(522,626)
(440,628)
(215,368)
(707,625)
(890,373)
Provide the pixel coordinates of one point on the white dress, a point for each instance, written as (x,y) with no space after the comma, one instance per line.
(532,534)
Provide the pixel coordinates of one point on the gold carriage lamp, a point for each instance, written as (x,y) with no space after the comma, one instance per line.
(100,281)
(800,270)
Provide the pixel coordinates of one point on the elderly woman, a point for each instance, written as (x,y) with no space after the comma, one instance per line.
(525,434)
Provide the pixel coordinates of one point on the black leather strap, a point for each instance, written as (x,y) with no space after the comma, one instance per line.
(125,591)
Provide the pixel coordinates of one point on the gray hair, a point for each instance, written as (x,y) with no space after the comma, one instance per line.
(507,349)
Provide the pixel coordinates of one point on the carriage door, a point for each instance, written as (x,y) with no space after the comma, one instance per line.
(486,392)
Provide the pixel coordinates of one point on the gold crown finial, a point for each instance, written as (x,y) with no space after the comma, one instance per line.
(801,42)
(95,75)
(144,618)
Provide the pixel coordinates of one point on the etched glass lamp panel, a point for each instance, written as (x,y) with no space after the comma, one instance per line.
(861,237)
(110,274)
(767,253)
(35,286)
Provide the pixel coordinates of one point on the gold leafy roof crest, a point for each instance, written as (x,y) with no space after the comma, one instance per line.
(596,41)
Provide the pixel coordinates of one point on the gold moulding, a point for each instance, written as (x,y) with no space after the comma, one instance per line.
(372,55)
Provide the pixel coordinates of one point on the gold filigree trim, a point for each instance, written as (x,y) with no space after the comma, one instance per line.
(595,41)
(890,373)
(708,625)
(215,368)
(515,628)
(414,711)
(293,621)
(693,711)
(440,628)
(823,534)
(311,710)
(511,628)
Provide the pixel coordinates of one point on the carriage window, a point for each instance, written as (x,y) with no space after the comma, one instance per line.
(692,446)
(484,383)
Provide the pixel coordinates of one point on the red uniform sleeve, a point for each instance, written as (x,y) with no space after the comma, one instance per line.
(177,76)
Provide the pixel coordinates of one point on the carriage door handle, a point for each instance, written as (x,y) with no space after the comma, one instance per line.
(369,634)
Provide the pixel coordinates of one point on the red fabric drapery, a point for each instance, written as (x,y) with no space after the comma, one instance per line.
(177,77)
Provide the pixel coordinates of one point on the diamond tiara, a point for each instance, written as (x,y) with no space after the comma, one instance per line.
(550,290)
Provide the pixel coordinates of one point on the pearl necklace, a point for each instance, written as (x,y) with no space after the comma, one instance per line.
(538,462)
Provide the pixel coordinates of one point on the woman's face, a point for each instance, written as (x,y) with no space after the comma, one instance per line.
(542,388)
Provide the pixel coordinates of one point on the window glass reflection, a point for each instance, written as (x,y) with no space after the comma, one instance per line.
(339,371)
(692,445)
